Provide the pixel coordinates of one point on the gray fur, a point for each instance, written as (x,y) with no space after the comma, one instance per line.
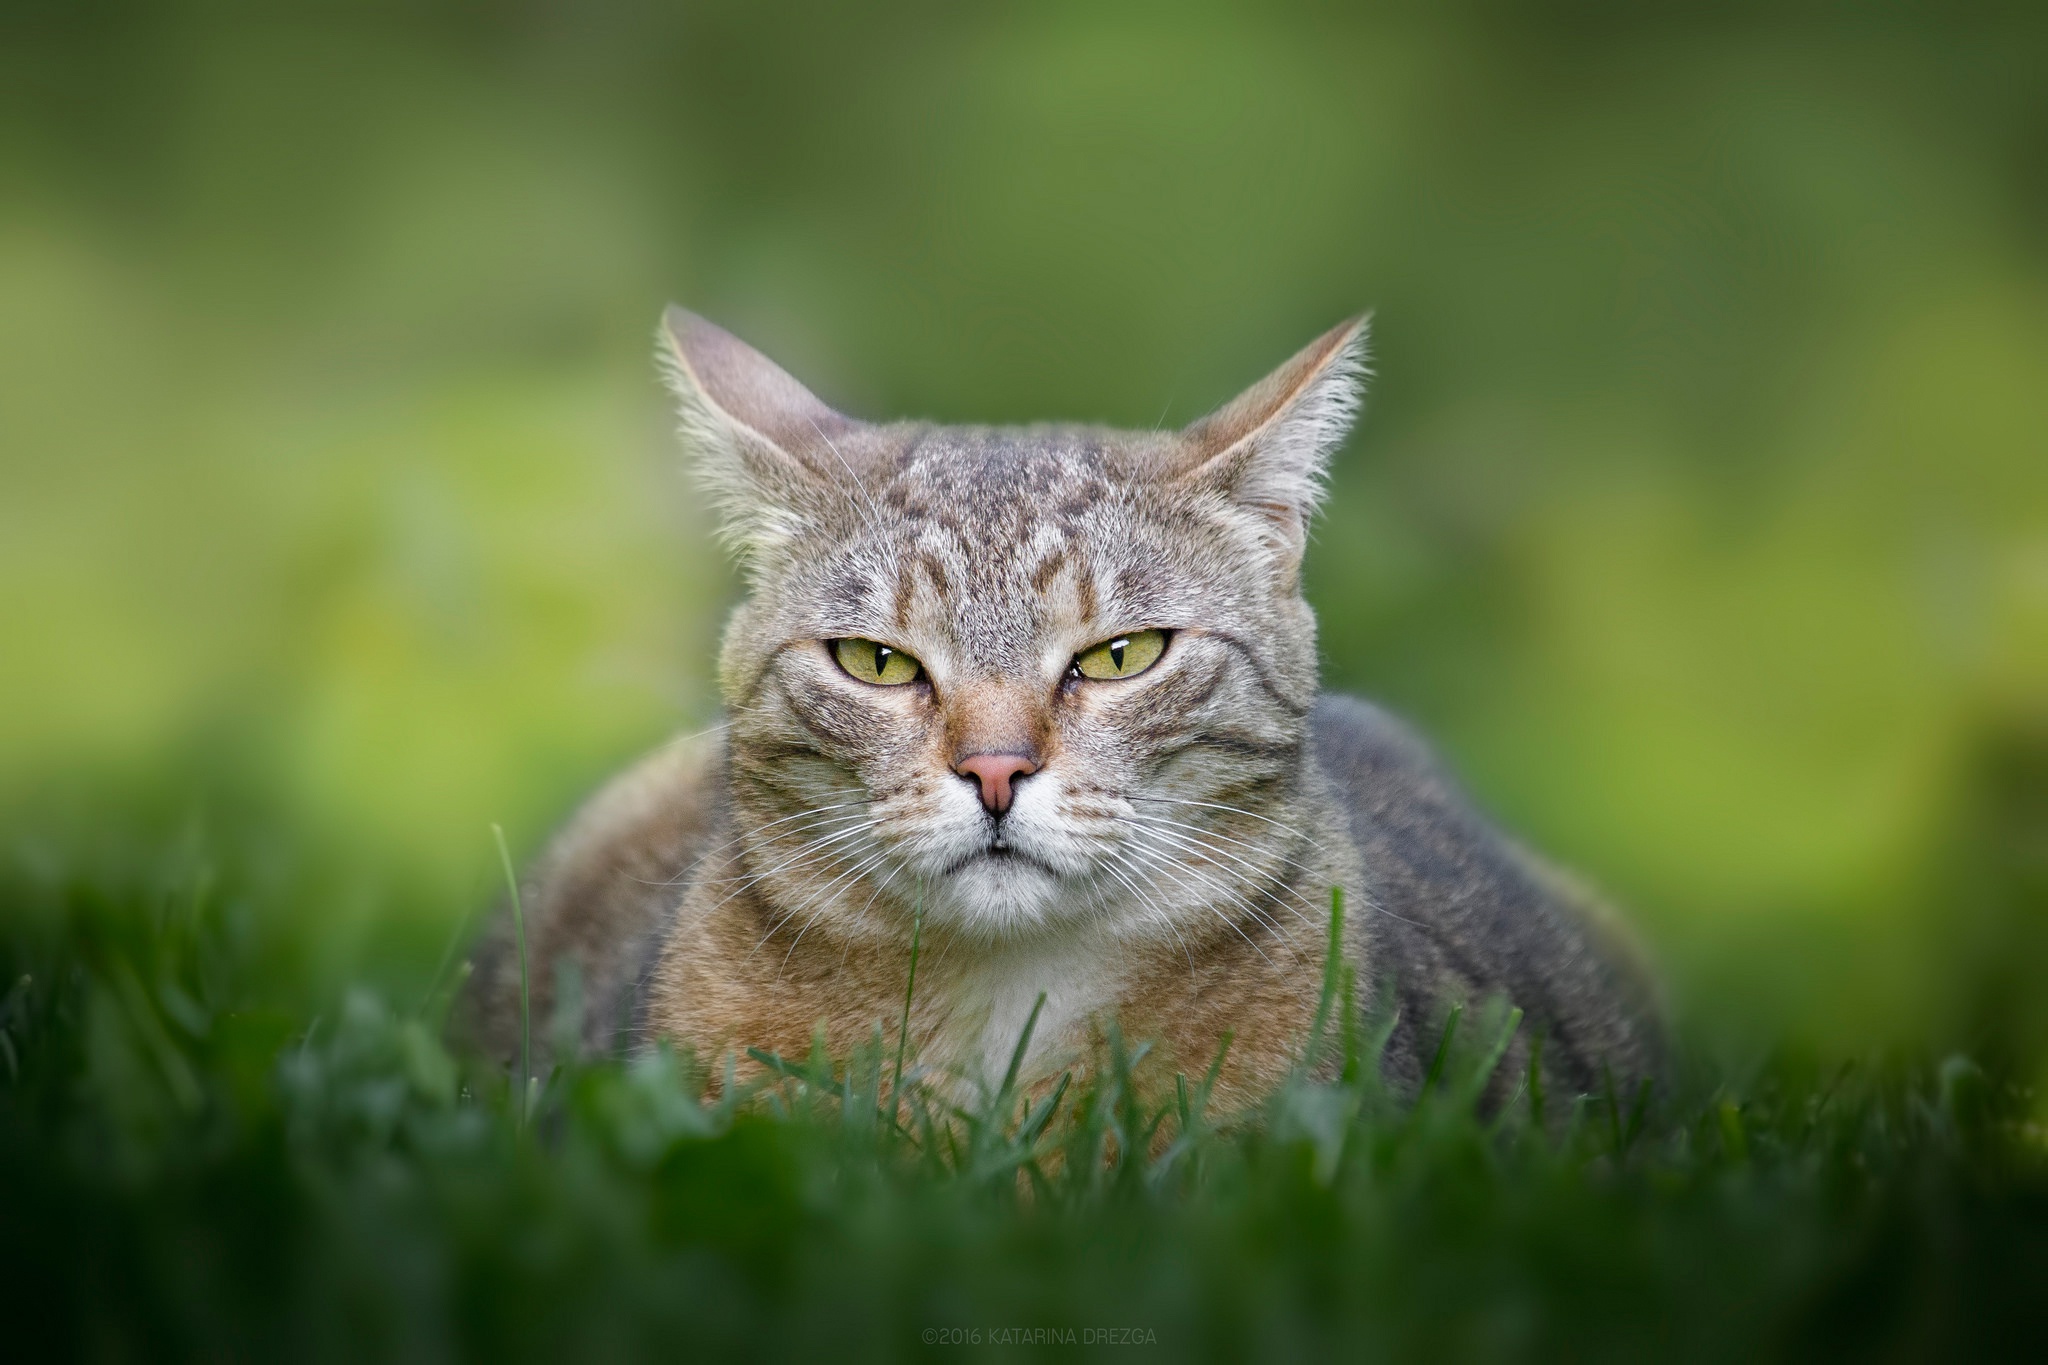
(1466,914)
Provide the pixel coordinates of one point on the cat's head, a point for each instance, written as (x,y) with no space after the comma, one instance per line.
(1022,676)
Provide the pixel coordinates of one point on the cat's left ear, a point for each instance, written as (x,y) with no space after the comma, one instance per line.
(1268,449)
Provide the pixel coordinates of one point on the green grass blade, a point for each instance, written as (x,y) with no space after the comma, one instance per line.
(525,1003)
(1017,1052)
(909,990)
(1333,961)
(1443,1053)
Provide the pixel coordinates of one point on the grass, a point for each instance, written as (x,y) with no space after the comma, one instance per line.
(205,1153)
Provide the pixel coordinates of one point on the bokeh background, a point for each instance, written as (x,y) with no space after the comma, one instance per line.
(1700,511)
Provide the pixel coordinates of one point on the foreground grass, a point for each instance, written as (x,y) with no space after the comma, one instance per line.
(203,1156)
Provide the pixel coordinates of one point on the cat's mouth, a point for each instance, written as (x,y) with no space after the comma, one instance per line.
(1000,854)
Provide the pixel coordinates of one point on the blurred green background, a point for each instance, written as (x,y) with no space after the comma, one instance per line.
(1700,511)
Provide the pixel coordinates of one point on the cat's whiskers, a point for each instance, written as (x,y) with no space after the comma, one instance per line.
(1203,831)
(814,810)
(806,854)
(1367,900)
(1239,810)
(823,900)
(821,835)
(1115,864)
(1260,877)
(881,885)
(1214,876)
(839,858)
(1148,861)
(711,850)
(1155,912)
(1195,839)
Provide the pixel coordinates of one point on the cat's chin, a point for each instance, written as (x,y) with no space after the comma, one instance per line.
(998,893)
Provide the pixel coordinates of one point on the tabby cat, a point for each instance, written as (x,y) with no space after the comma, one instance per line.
(1047,697)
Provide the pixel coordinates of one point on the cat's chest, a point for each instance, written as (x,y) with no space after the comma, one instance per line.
(980,1008)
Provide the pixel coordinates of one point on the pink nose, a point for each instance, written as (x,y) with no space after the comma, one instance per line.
(995,772)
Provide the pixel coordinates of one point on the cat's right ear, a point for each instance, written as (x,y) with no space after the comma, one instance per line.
(764,445)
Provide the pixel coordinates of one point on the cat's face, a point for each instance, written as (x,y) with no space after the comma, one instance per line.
(1021,677)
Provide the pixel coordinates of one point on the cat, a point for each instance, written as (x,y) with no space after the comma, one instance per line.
(1044,699)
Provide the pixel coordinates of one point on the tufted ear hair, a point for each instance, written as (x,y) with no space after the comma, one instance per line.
(764,445)
(1268,450)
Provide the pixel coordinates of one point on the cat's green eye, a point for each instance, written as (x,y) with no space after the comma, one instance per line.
(1125,656)
(876,663)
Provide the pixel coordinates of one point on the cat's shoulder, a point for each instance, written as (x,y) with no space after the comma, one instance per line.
(1470,911)
(1367,749)
(1405,804)
(600,896)
(649,812)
